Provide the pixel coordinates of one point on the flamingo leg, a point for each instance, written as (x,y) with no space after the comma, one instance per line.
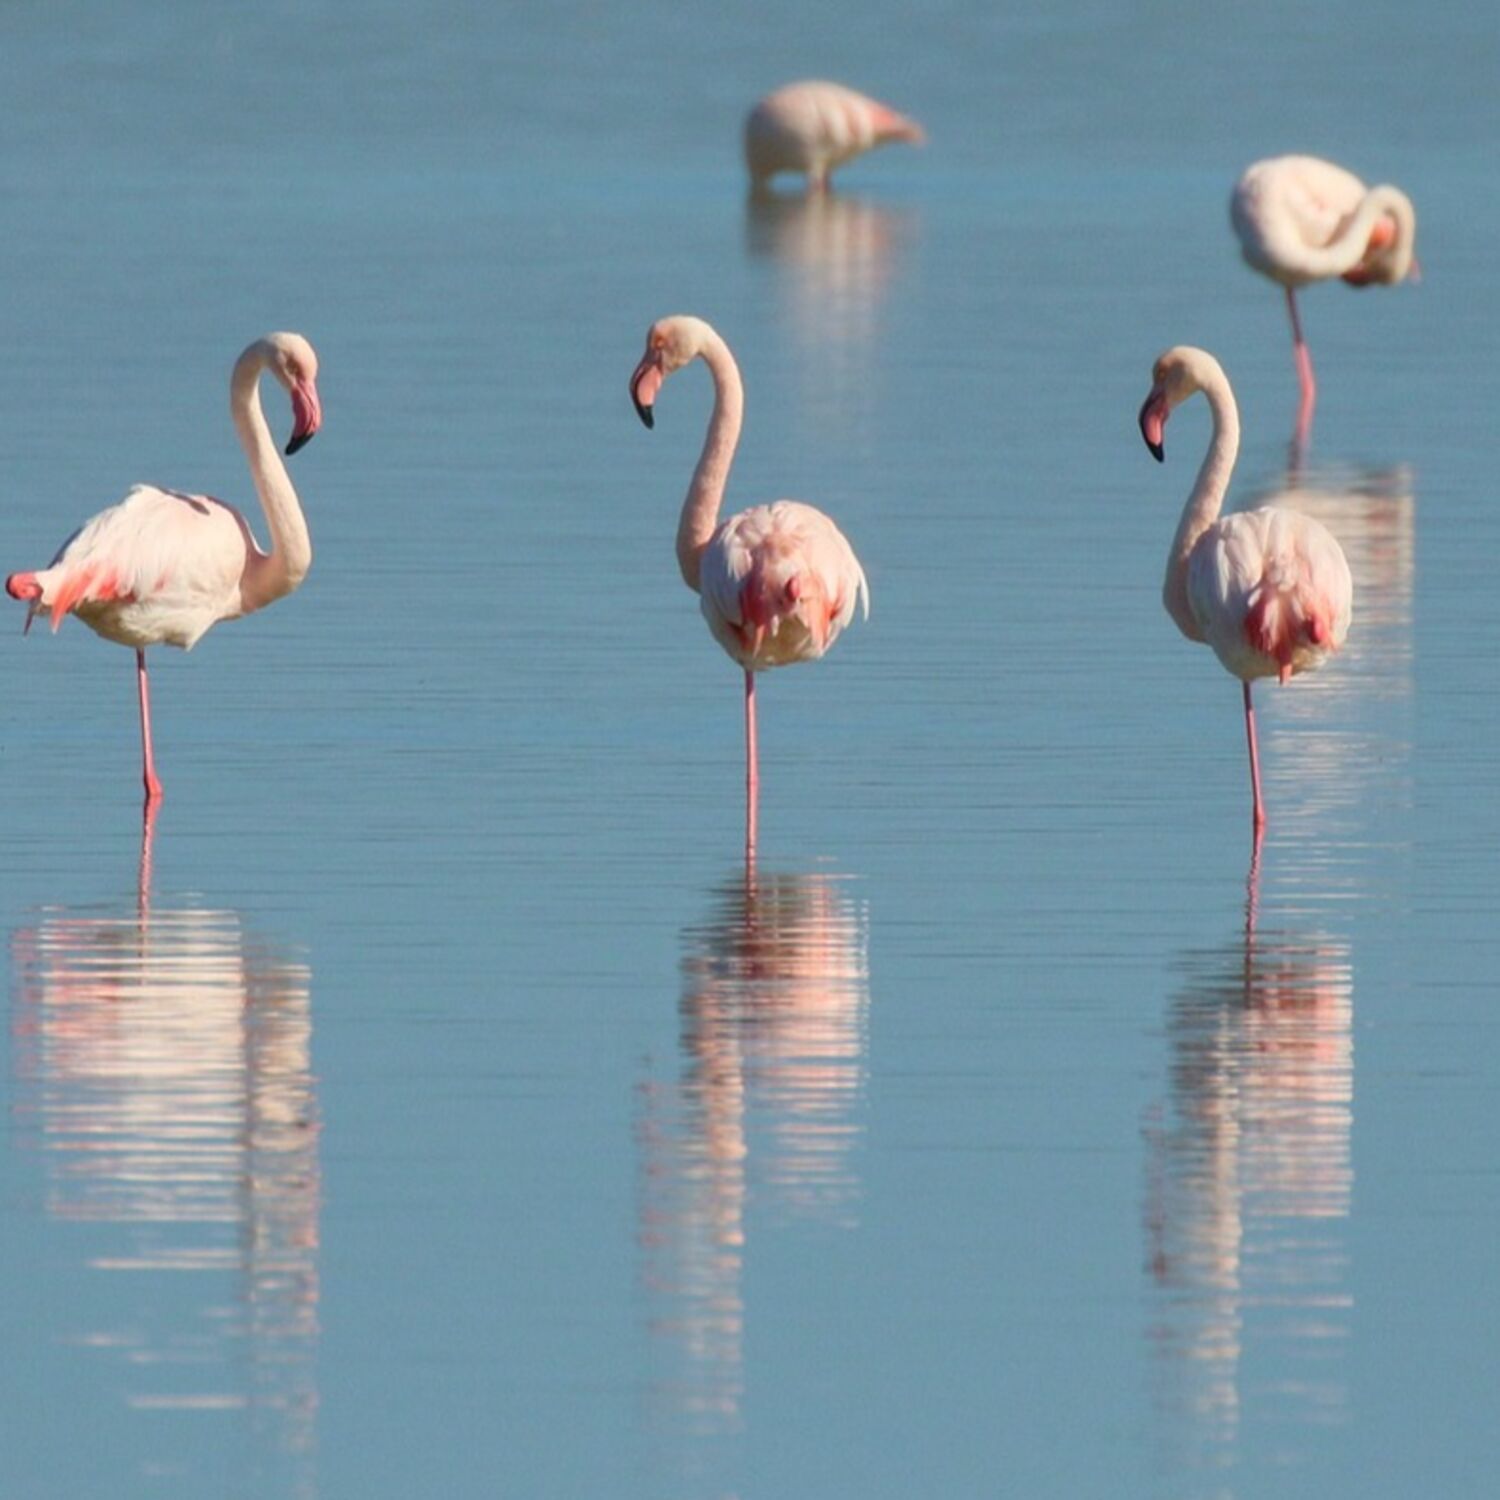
(143,883)
(1260,807)
(752,769)
(153,786)
(1305,378)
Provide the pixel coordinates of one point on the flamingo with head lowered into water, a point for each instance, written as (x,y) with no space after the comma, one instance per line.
(162,567)
(777,583)
(815,126)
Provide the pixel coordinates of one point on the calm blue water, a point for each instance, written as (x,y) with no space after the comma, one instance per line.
(443,1111)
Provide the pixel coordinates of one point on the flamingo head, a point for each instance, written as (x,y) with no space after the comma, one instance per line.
(1179,373)
(291,359)
(671,344)
(1390,253)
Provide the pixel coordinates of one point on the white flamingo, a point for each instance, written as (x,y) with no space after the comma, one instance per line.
(1268,589)
(1300,219)
(815,126)
(162,567)
(778,582)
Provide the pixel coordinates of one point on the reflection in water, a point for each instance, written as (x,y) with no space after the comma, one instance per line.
(1248,1186)
(163,1070)
(1326,755)
(836,257)
(773,1012)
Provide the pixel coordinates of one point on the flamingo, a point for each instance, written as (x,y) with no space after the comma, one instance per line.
(777,583)
(162,567)
(1301,219)
(813,127)
(1268,589)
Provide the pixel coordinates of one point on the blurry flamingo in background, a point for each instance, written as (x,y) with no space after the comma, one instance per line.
(1301,219)
(162,567)
(777,583)
(813,127)
(1268,589)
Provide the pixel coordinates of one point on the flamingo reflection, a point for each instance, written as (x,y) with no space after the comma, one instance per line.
(162,1060)
(764,1116)
(1249,1185)
(1334,751)
(835,257)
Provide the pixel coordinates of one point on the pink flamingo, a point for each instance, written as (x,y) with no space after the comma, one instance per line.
(161,567)
(1268,589)
(1301,220)
(814,127)
(777,583)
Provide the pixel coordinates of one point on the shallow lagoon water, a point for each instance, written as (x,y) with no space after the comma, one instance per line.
(449,1114)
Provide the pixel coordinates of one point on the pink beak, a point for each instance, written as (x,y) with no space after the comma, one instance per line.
(1153,420)
(307,414)
(644,385)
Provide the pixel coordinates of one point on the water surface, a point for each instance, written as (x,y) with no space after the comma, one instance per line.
(446,1112)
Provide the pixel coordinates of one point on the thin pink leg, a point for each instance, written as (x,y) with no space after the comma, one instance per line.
(1260,807)
(752,769)
(1305,377)
(153,786)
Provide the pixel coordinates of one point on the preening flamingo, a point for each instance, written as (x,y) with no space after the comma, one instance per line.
(813,127)
(162,567)
(1301,220)
(1268,589)
(777,583)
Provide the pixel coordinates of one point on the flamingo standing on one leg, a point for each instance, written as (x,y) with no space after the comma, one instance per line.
(162,567)
(777,583)
(1268,589)
(1301,219)
(814,127)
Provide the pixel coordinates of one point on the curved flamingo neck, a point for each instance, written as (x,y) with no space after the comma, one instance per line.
(700,510)
(1350,246)
(270,576)
(1206,500)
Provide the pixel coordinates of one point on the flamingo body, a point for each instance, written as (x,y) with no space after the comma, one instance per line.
(162,567)
(1271,593)
(159,568)
(1269,590)
(1296,221)
(814,126)
(778,583)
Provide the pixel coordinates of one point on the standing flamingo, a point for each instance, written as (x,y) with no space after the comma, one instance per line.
(1268,589)
(162,567)
(777,583)
(1301,220)
(814,127)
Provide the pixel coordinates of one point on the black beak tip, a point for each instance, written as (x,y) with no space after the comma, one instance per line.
(645,413)
(1158,452)
(297,442)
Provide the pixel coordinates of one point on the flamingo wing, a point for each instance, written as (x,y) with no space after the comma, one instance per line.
(779,583)
(1271,591)
(159,566)
(1289,204)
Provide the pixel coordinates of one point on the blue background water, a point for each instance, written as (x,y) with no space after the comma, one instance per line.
(452,1117)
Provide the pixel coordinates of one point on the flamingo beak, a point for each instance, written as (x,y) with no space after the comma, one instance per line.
(1153,420)
(644,385)
(307,415)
